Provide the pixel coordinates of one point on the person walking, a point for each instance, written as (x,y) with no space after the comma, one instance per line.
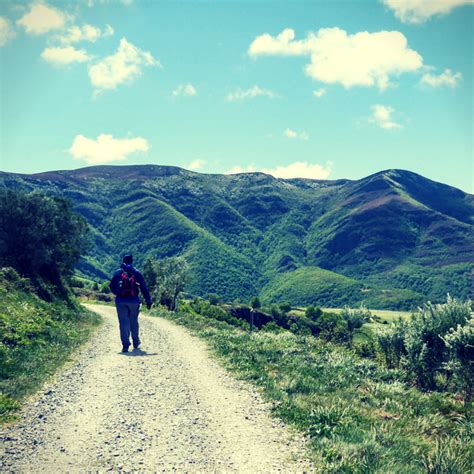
(126,284)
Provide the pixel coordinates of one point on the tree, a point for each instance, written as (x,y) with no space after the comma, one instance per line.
(313,313)
(255,303)
(213,298)
(166,279)
(40,236)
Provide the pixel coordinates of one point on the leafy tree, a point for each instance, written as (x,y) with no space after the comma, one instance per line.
(213,298)
(40,236)
(255,303)
(313,313)
(285,307)
(166,279)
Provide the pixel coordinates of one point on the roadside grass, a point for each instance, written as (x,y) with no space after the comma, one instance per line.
(358,416)
(36,338)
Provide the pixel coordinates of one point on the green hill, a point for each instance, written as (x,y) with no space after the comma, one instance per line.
(394,238)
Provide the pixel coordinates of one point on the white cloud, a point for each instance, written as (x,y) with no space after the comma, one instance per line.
(123,66)
(240,169)
(419,11)
(42,18)
(382,117)
(185,89)
(319,93)
(106,148)
(298,169)
(6,31)
(90,33)
(251,93)
(195,165)
(362,59)
(65,56)
(293,134)
(446,78)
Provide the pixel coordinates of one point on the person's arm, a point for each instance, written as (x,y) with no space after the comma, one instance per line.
(144,289)
(114,283)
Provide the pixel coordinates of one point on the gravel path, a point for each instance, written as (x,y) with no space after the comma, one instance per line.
(169,407)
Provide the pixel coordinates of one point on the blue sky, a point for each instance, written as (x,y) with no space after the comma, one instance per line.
(321,89)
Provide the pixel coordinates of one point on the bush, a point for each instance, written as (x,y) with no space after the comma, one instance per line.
(425,349)
(391,343)
(354,319)
(460,342)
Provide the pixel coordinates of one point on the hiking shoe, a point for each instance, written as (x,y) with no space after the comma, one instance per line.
(124,349)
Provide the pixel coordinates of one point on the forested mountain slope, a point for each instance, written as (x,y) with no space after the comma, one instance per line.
(392,239)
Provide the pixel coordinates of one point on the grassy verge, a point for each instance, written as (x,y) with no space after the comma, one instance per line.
(36,338)
(358,416)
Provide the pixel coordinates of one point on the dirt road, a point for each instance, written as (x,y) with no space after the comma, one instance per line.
(169,407)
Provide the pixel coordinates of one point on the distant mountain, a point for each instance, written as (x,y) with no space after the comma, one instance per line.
(393,239)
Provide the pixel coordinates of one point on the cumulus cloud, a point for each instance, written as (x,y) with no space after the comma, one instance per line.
(185,89)
(419,11)
(446,78)
(106,148)
(319,93)
(298,169)
(42,18)
(195,165)
(362,59)
(65,56)
(90,33)
(123,66)
(382,117)
(251,93)
(289,133)
(241,169)
(6,31)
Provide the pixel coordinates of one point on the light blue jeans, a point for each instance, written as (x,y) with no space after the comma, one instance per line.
(128,321)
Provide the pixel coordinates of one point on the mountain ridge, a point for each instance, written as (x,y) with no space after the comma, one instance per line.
(385,230)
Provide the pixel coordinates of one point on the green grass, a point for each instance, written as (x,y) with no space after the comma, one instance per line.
(312,286)
(36,338)
(358,416)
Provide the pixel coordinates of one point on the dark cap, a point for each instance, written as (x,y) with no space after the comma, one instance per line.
(128,259)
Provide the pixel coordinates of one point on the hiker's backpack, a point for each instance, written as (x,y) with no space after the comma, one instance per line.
(127,286)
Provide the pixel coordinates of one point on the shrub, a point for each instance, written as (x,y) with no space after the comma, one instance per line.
(425,348)
(460,342)
(391,343)
(354,319)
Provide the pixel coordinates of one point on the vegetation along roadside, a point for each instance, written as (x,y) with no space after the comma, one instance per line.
(359,414)
(41,322)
